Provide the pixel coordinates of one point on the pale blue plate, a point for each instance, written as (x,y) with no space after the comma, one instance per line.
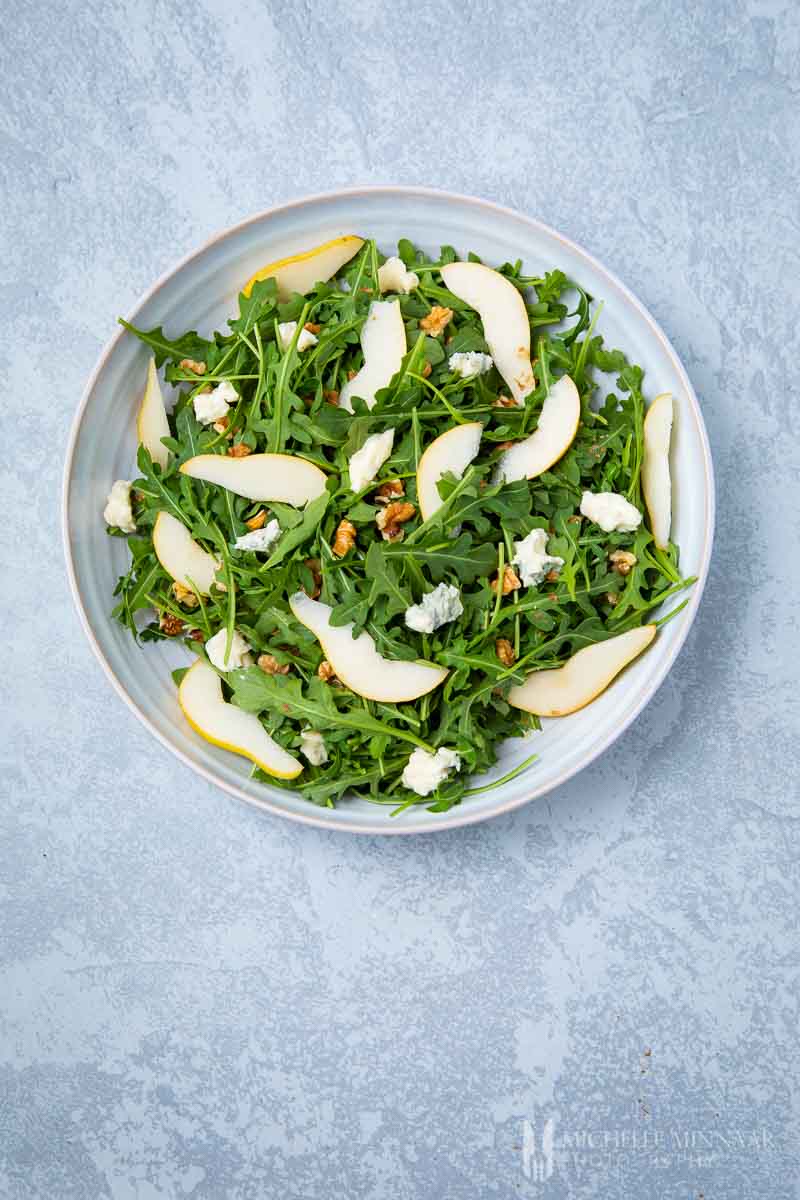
(200,293)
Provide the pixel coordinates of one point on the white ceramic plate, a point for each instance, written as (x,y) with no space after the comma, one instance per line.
(200,293)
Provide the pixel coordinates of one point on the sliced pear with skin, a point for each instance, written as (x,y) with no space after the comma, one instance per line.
(282,478)
(383,340)
(225,725)
(505,320)
(452,451)
(151,422)
(358,664)
(656,479)
(552,438)
(582,677)
(180,555)
(300,272)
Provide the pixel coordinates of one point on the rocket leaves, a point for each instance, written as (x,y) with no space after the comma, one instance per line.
(287,403)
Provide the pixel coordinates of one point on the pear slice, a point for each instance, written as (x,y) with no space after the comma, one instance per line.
(180,555)
(151,423)
(225,725)
(553,436)
(383,340)
(358,664)
(279,477)
(505,320)
(452,451)
(582,677)
(656,480)
(300,272)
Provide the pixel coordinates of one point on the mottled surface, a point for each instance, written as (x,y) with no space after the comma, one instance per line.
(196,1000)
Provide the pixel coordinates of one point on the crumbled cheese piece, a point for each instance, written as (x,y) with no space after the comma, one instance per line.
(286,333)
(438,607)
(118,511)
(366,462)
(312,747)
(424,772)
(393,276)
(612,512)
(470,363)
(531,556)
(238,657)
(259,539)
(211,406)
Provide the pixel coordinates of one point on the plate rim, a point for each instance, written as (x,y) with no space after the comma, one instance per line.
(460,816)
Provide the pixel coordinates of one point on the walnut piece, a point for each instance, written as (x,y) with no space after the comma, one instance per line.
(426,370)
(184,595)
(612,598)
(197,635)
(511,580)
(171,626)
(240,450)
(505,652)
(258,521)
(331,395)
(312,327)
(505,402)
(315,567)
(393,489)
(622,561)
(437,320)
(270,665)
(344,539)
(325,671)
(191,364)
(221,426)
(390,520)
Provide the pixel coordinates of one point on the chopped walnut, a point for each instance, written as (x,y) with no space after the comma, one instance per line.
(437,320)
(393,489)
(221,426)
(351,374)
(574,519)
(622,561)
(511,581)
(312,327)
(197,635)
(390,520)
(612,598)
(506,402)
(552,576)
(240,450)
(331,396)
(258,521)
(184,595)
(426,370)
(270,665)
(504,445)
(191,364)
(505,652)
(171,626)
(325,671)
(314,566)
(344,539)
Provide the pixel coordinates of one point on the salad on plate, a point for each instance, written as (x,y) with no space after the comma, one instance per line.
(401,510)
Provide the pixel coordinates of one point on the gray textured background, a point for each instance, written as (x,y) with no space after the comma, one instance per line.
(197,1000)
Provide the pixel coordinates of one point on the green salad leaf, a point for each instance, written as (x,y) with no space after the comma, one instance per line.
(284,400)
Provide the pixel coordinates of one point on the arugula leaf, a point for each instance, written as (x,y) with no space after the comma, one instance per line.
(188,345)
